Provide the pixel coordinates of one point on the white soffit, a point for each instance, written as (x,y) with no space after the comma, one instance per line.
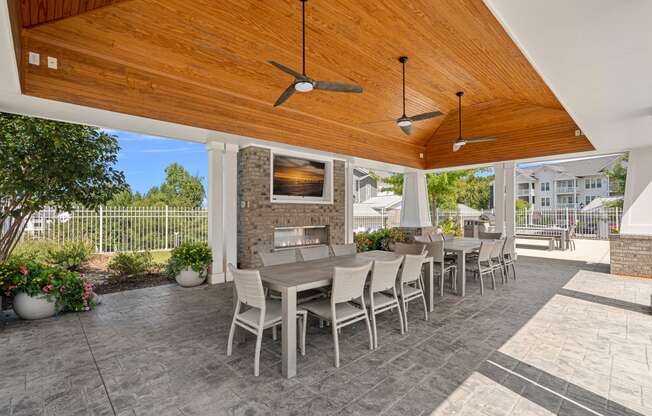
(596,57)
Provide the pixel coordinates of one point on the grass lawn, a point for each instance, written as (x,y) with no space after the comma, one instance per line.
(160,256)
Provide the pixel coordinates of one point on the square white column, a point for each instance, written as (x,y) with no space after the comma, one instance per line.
(415,209)
(215,152)
(499,197)
(637,208)
(510,199)
(230,209)
(348,205)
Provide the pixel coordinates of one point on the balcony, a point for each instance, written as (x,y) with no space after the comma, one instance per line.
(566,189)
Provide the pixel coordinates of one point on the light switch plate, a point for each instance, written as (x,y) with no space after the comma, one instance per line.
(52,62)
(34,58)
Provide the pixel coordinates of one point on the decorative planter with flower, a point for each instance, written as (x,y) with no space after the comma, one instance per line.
(41,291)
(189,263)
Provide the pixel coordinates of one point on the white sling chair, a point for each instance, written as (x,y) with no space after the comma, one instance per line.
(348,285)
(262,314)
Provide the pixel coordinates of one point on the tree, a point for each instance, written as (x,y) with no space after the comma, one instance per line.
(46,163)
(180,189)
(521,204)
(446,189)
(618,177)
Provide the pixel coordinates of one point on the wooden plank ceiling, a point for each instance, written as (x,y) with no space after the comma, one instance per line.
(35,12)
(204,63)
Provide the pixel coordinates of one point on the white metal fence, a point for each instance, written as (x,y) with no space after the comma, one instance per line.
(115,229)
(596,224)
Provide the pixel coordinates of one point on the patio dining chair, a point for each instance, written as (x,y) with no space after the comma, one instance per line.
(344,249)
(484,235)
(482,265)
(382,292)
(261,314)
(509,256)
(497,258)
(348,285)
(411,284)
(448,236)
(286,257)
(436,237)
(442,264)
(407,248)
(422,239)
(314,253)
(570,239)
(278,257)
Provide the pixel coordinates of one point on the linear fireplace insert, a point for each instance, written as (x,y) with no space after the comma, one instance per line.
(294,237)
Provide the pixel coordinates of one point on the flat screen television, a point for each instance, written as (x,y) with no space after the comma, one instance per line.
(297,178)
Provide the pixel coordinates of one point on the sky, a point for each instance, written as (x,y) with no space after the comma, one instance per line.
(144,158)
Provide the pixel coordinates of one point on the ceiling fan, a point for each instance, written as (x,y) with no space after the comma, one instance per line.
(303,83)
(460,141)
(405,122)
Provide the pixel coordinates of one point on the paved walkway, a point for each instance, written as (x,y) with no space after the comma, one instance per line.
(562,339)
(589,251)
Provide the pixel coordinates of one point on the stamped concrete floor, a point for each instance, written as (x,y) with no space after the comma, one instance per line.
(563,339)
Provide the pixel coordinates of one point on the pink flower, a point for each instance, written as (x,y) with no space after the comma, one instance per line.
(23,270)
(48,288)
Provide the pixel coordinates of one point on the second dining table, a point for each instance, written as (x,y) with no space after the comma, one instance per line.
(461,247)
(290,279)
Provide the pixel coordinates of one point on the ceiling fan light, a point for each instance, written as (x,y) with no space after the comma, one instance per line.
(458,145)
(304,86)
(404,122)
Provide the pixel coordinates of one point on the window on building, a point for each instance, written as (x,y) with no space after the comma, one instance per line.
(545,201)
(589,198)
(545,186)
(593,183)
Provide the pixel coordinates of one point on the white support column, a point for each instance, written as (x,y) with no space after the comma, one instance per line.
(230,210)
(510,199)
(348,205)
(499,196)
(415,209)
(637,210)
(216,210)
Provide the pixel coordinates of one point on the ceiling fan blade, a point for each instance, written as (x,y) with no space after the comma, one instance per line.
(481,139)
(337,87)
(426,116)
(287,70)
(406,129)
(286,94)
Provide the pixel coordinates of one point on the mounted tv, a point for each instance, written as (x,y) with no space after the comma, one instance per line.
(298,179)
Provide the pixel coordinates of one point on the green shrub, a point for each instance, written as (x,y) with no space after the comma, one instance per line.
(450,226)
(71,254)
(379,239)
(34,250)
(196,256)
(131,264)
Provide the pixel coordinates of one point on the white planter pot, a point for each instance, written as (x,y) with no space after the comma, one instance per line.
(190,278)
(37,307)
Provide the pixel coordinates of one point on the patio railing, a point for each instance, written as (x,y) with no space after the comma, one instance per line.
(115,229)
(596,224)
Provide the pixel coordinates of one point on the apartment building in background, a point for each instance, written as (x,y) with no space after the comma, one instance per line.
(566,184)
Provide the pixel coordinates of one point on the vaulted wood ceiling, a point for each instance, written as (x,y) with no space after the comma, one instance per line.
(204,63)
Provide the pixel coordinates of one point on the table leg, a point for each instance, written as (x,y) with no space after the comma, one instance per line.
(461,273)
(289,336)
(430,285)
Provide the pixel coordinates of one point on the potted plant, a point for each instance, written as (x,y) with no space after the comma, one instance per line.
(39,291)
(33,287)
(189,263)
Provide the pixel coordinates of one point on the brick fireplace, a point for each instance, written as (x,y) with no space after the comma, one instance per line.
(260,220)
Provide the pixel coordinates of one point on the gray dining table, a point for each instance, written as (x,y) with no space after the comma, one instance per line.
(461,247)
(290,279)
